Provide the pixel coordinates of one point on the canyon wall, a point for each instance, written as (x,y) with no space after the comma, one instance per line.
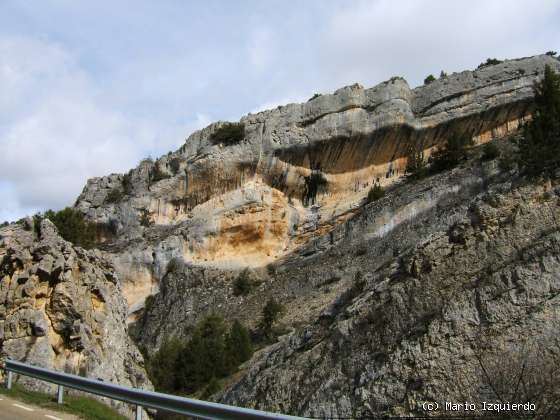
(300,171)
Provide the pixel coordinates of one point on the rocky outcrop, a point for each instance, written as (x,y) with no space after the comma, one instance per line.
(300,171)
(61,307)
(436,321)
(310,278)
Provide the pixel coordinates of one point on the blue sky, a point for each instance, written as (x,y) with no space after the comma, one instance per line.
(90,88)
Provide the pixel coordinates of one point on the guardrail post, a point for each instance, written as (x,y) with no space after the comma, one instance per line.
(10,376)
(138,412)
(60,394)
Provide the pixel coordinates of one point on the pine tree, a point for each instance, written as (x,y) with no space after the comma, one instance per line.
(429,79)
(270,314)
(416,165)
(539,150)
(204,355)
(451,153)
(162,366)
(238,346)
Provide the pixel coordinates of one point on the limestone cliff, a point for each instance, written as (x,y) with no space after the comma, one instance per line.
(300,171)
(425,317)
(62,308)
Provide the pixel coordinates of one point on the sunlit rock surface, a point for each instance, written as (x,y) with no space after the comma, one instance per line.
(61,307)
(301,170)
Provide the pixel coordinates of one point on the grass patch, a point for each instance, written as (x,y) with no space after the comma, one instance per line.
(86,408)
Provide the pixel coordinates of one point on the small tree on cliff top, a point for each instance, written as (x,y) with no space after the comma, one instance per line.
(539,150)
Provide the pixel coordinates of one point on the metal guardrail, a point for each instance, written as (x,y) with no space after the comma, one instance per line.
(138,397)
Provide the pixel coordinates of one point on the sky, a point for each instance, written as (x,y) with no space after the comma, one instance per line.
(89,88)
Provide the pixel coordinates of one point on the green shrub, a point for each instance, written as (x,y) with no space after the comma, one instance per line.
(210,389)
(416,167)
(243,284)
(145,219)
(175,265)
(490,151)
(73,227)
(442,74)
(239,348)
(206,355)
(375,193)
(228,134)
(489,62)
(551,53)
(429,79)
(451,153)
(114,196)
(539,149)
(175,165)
(127,183)
(315,95)
(4,224)
(270,314)
(213,352)
(161,367)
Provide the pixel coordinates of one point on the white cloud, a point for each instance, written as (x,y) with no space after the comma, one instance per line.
(55,132)
(89,90)
(370,41)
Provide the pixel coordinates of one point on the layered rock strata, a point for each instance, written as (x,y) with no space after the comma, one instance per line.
(473,305)
(299,171)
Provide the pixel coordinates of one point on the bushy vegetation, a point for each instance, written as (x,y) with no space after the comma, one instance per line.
(195,366)
(451,153)
(490,151)
(270,314)
(114,196)
(315,95)
(145,219)
(175,165)
(539,149)
(175,265)
(71,225)
(375,193)
(489,62)
(416,165)
(551,53)
(127,183)
(156,174)
(162,365)
(429,79)
(243,284)
(442,74)
(228,134)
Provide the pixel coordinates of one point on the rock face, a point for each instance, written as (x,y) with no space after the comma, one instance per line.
(388,304)
(300,171)
(61,307)
(312,277)
(413,328)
